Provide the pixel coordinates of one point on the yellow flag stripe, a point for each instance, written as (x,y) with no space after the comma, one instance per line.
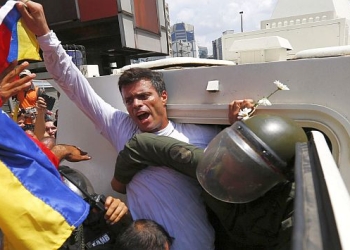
(28,47)
(26,221)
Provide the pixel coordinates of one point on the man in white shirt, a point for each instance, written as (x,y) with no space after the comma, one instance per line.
(158,193)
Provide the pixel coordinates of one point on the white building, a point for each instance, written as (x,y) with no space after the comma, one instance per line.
(167,22)
(305,24)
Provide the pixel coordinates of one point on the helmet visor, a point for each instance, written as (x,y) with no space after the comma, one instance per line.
(234,168)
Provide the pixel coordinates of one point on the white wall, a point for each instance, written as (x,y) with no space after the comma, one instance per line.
(76,129)
(303,36)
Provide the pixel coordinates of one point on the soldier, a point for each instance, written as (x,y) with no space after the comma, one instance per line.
(246,172)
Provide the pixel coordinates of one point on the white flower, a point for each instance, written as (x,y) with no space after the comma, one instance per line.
(244,113)
(280,85)
(264,101)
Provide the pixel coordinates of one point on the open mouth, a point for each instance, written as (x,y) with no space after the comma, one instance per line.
(143,116)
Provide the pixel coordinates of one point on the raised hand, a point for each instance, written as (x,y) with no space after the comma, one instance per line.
(10,83)
(236,106)
(34,17)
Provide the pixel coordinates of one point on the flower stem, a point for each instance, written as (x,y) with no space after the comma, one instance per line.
(272,94)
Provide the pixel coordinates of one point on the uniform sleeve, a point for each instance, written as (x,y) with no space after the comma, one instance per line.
(152,150)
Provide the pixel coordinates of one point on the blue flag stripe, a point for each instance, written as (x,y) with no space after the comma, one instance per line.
(36,172)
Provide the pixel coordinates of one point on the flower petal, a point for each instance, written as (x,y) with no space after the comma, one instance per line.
(244,113)
(264,101)
(280,85)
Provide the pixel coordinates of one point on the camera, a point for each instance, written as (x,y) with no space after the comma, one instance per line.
(50,101)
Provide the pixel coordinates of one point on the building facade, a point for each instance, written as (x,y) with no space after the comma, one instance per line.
(167,23)
(202,52)
(183,40)
(305,24)
(217,45)
(217,49)
(115,32)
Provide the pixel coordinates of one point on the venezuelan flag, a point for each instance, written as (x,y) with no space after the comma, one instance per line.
(17,42)
(38,211)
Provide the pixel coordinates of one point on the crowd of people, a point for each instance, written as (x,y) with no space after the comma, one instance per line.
(31,112)
(114,208)
(168,206)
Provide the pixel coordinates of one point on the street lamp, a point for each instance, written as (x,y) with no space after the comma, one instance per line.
(241,13)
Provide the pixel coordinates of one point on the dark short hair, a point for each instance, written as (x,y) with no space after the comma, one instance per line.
(28,127)
(21,112)
(143,234)
(133,75)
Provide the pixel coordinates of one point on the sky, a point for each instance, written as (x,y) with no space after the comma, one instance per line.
(212,17)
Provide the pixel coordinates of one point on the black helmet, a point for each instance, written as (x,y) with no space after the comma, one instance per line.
(246,160)
(76,181)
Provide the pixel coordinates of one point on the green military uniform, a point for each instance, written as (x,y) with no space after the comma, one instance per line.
(150,150)
(264,223)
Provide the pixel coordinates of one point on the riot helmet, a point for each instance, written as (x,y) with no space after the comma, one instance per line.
(76,181)
(247,159)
